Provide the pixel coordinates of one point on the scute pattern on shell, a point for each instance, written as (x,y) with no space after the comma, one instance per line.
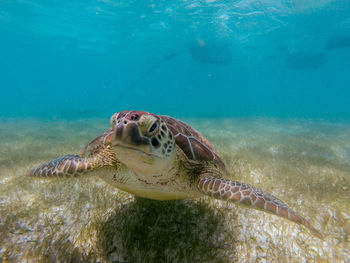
(104,139)
(193,144)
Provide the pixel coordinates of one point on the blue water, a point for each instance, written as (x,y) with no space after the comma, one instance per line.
(77,59)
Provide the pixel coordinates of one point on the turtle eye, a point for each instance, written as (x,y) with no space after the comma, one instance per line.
(153,127)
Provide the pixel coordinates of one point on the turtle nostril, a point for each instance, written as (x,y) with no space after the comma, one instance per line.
(125,122)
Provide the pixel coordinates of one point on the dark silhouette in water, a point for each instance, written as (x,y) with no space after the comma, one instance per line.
(338,42)
(305,60)
(211,52)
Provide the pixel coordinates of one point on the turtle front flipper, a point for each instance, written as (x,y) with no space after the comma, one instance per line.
(67,165)
(75,165)
(253,197)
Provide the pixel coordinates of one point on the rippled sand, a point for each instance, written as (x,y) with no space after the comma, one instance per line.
(304,163)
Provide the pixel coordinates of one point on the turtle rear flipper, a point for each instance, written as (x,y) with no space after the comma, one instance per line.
(253,197)
(76,165)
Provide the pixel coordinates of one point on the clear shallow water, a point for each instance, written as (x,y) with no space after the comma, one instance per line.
(276,74)
(68,59)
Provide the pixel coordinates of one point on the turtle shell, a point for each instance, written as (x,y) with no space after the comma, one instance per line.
(192,143)
(103,139)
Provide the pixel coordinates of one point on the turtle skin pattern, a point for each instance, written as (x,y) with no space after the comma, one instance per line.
(76,165)
(248,195)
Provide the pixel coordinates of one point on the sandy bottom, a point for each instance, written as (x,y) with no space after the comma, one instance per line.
(304,163)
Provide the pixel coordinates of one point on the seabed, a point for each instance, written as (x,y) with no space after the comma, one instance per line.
(305,163)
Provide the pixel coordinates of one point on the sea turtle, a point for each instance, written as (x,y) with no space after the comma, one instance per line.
(160,157)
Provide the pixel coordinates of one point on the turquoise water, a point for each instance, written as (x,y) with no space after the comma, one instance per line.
(78,59)
(276,73)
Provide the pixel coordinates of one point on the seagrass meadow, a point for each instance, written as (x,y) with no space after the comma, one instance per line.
(306,163)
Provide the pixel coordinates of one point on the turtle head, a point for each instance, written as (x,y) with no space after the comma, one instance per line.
(143,142)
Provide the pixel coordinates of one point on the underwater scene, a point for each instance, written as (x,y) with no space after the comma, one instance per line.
(259,95)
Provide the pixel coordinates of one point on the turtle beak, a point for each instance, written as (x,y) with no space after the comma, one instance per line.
(127,133)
